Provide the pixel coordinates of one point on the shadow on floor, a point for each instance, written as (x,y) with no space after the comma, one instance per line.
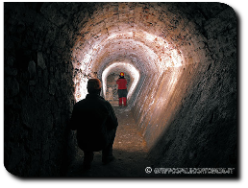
(125,165)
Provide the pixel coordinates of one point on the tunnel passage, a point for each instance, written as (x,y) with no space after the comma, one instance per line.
(112,88)
(111,93)
(132,76)
(181,59)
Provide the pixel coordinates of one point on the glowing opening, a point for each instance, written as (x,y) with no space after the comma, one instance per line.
(121,67)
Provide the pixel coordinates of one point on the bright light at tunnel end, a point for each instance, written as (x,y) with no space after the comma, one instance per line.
(128,67)
(81,81)
(160,54)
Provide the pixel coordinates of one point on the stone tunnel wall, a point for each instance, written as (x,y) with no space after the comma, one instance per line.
(196,123)
(38,90)
(200,115)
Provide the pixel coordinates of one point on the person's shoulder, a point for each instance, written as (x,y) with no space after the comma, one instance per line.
(109,106)
(100,99)
(107,102)
(104,101)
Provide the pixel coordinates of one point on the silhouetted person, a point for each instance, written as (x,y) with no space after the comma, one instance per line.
(96,123)
(122,89)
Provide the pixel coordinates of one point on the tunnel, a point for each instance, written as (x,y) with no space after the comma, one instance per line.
(181,63)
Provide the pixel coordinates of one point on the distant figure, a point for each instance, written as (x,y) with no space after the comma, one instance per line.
(122,89)
(96,123)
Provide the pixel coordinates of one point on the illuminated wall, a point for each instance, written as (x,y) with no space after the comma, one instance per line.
(181,58)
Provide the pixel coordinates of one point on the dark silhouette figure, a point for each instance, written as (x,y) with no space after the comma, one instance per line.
(96,123)
(122,89)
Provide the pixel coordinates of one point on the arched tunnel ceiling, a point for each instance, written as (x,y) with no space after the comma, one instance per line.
(151,37)
(184,111)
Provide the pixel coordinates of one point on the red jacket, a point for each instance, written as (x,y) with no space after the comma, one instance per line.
(122,83)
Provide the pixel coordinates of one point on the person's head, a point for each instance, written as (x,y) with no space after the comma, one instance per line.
(94,86)
(122,75)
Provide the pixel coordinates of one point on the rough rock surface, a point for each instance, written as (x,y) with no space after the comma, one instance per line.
(185,103)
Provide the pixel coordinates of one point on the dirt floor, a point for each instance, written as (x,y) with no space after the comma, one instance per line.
(129,150)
